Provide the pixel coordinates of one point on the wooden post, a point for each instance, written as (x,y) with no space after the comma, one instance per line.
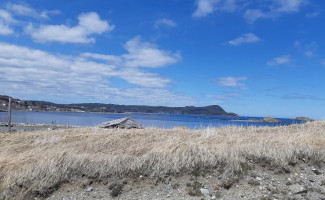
(9,115)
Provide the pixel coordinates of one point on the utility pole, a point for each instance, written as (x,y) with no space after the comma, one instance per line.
(9,115)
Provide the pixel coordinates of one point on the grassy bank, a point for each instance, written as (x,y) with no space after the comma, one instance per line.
(37,163)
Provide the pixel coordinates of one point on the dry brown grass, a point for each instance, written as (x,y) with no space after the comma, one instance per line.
(39,162)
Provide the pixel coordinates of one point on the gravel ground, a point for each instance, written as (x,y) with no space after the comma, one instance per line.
(301,181)
(19,127)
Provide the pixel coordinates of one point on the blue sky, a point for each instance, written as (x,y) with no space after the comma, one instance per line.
(252,57)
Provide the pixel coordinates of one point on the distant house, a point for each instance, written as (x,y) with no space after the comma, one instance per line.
(125,122)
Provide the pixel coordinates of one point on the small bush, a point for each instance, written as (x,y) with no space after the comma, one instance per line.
(116,189)
(193,189)
(244,167)
(196,173)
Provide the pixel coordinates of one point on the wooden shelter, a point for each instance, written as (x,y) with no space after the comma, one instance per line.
(125,122)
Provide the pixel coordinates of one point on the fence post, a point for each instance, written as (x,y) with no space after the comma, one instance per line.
(9,115)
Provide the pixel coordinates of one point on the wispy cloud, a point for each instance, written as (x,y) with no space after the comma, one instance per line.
(89,75)
(226,96)
(9,16)
(276,88)
(26,10)
(288,6)
(5,29)
(206,7)
(252,10)
(313,14)
(245,38)
(164,23)
(275,10)
(302,97)
(5,21)
(140,54)
(232,81)
(89,24)
(282,60)
(251,15)
(308,49)
(6,16)
(147,55)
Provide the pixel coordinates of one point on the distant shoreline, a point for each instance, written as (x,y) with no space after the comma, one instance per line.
(18,104)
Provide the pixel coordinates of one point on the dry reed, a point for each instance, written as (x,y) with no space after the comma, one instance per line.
(39,162)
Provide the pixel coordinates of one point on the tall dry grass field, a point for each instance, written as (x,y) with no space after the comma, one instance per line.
(39,162)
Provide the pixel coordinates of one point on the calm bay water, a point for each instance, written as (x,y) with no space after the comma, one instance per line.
(147,120)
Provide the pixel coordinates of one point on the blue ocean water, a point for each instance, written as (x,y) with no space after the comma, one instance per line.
(146,119)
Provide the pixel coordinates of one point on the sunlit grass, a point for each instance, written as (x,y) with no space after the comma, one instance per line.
(39,162)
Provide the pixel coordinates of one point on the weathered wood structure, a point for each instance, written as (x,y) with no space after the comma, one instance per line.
(125,122)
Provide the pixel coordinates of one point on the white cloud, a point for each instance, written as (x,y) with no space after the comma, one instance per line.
(308,49)
(251,15)
(32,71)
(288,6)
(232,81)
(230,5)
(89,24)
(25,10)
(309,53)
(141,78)
(92,23)
(302,97)
(276,9)
(45,14)
(245,38)
(5,20)
(107,58)
(251,10)
(165,23)
(206,7)
(5,29)
(6,16)
(281,60)
(142,54)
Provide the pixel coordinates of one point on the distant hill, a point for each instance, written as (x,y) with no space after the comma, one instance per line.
(18,104)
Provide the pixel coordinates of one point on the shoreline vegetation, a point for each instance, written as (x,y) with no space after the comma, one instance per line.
(213,110)
(18,104)
(35,126)
(38,163)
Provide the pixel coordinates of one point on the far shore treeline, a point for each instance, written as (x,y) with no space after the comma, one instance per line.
(18,104)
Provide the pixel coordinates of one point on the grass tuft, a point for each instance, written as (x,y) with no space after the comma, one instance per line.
(193,189)
(116,189)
